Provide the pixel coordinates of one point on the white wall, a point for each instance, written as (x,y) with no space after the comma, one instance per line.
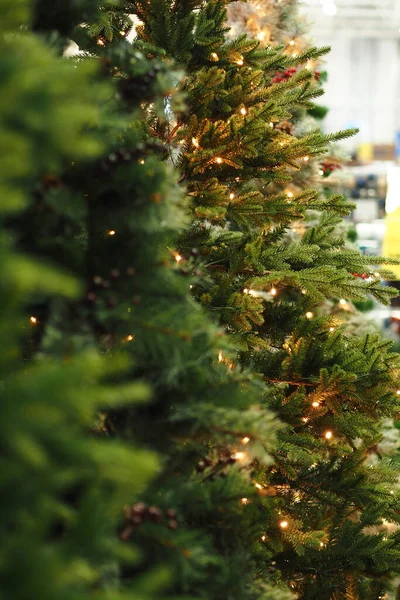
(363,89)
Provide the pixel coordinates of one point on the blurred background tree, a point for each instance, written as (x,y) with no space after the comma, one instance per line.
(62,486)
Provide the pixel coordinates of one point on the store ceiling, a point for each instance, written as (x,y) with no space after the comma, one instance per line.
(363,18)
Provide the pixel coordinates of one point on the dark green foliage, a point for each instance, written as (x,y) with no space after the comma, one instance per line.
(50,16)
(108,211)
(62,487)
(318,111)
(330,389)
(365,305)
(93,196)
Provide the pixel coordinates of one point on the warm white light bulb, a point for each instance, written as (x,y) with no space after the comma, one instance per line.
(220,356)
(129,338)
(292,42)
(309,315)
(239,455)
(328,435)
(283,524)
(343,302)
(273,292)
(218,160)
(245,501)
(111,232)
(195,142)
(33,320)
(243,111)
(315,404)
(231,196)
(245,440)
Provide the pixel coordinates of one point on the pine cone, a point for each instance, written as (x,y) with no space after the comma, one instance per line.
(286,127)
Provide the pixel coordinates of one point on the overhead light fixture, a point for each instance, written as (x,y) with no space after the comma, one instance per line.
(329,8)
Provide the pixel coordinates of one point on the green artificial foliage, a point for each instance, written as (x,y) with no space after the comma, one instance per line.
(102,208)
(144,255)
(330,389)
(62,486)
(364,305)
(318,111)
(54,17)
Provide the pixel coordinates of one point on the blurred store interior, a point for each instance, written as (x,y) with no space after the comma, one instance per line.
(363,91)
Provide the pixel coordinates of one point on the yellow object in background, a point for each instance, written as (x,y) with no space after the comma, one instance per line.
(391,240)
(365,152)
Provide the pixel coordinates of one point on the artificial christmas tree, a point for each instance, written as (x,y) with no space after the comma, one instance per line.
(282,24)
(332,390)
(226,523)
(62,487)
(112,221)
(270,22)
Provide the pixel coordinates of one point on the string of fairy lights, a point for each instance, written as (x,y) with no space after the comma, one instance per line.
(328,434)
(272,294)
(239,455)
(315,405)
